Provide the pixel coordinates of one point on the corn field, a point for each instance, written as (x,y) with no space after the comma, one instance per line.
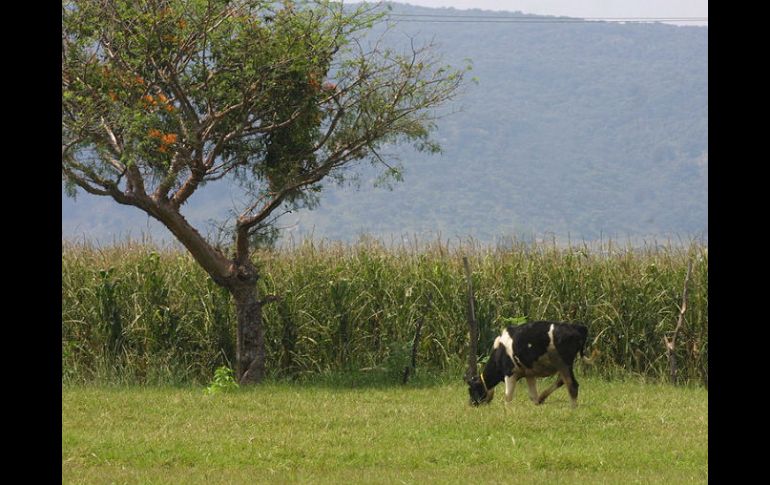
(140,313)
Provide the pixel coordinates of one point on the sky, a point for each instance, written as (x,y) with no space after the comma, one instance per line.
(583,8)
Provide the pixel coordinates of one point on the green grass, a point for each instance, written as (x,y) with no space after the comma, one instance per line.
(622,432)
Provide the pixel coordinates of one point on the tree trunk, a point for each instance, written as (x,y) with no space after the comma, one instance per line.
(250,342)
(239,276)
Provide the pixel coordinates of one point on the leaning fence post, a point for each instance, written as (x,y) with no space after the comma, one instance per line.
(472,323)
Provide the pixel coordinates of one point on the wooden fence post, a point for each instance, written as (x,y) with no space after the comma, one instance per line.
(473,324)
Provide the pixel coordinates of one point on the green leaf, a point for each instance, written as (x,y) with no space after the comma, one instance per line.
(514,320)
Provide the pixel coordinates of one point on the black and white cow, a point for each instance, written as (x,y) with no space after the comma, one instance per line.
(531,350)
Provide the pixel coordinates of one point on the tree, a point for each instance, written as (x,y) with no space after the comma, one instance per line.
(160,97)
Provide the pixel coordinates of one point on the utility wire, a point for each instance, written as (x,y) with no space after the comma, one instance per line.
(535,17)
(513,20)
(448,18)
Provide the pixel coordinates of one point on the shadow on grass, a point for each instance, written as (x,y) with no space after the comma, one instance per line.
(376,379)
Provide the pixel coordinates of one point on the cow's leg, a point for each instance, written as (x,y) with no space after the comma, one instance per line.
(510,385)
(531,383)
(572,384)
(559,382)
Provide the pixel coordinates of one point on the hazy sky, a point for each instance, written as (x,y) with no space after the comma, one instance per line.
(583,8)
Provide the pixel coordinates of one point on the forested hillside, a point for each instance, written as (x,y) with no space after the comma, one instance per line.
(586,129)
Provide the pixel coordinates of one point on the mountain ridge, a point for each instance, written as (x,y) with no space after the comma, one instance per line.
(580,130)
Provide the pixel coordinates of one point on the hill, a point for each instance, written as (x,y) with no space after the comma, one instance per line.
(581,129)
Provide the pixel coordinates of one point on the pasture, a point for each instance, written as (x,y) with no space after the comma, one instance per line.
(337,431)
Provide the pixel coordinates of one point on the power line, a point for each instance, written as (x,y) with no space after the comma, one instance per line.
(448,18)
(531,16)
(542,22)
(555,21)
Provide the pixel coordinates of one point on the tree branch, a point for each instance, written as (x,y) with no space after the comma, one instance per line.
(188,186)
(93,184)
(671,343)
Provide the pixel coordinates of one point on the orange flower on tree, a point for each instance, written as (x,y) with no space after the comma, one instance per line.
(168,139)
(313,82)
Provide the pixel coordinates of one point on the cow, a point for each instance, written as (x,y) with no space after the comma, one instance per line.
(531,350)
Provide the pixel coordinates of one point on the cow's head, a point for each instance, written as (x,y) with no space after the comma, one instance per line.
(479,392)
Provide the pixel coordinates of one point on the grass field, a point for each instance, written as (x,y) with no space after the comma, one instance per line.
(622,432)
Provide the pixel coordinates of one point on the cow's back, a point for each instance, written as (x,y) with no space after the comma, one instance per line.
(537,344)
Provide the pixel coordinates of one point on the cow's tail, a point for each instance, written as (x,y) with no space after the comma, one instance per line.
(583,336)
(583,330)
